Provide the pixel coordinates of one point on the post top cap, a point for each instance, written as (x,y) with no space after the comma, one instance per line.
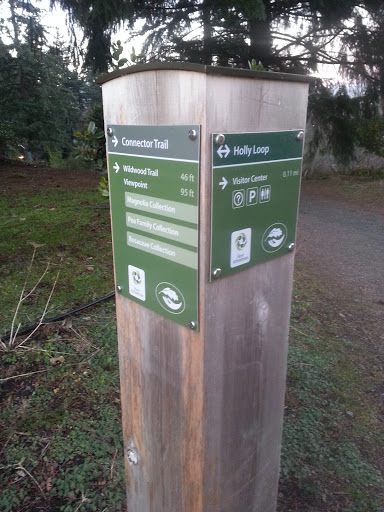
(202,68)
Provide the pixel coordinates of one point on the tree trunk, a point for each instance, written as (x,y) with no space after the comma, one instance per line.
(207,33)
(15,25)
(260,37)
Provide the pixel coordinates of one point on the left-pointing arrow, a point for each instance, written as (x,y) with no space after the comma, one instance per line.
(115,141)
(116,167)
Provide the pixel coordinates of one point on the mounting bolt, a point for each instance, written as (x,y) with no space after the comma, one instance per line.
(109,132)
(220,139)
(300,136)
(192,325)
(291,247)
(216,273)
(132,457)
(119,288)
(192,134)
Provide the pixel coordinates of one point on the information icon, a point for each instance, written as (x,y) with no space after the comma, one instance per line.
(238,198)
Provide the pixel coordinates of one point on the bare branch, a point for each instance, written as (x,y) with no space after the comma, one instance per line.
(19,467)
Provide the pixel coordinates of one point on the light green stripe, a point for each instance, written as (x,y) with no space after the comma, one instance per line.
(161,228)
(163,250)
(176,210)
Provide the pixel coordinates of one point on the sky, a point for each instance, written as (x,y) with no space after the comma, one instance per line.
(54,22)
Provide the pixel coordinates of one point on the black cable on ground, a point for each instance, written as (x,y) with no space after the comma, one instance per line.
(30,328)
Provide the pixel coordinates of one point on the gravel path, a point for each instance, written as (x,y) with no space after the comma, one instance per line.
(343,243)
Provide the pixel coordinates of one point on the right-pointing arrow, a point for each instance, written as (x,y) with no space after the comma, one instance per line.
(116,167)
(115,141)
(223,151)
(223,183)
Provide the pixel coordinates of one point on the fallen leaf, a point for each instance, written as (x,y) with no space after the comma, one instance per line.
(48,484)
(57,360)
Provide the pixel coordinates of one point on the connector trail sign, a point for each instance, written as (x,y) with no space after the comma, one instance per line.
(255,193)
(154,187)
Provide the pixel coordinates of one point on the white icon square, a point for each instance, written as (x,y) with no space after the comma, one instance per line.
(265,194)
(136,282)
(238,198)
(240,247)
(252,196)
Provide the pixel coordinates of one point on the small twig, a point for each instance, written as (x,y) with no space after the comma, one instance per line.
(113,461)
(35,349)
(24,297)
(45,449)
(22,468)
(88,359)
(298,330)
(83,500)
(6,442)
(21,295)
(22,375)
(40,322)
(79,335)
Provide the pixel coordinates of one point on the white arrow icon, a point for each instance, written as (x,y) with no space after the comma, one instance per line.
(223,151)
(115,141)
(116,167)
(223,183)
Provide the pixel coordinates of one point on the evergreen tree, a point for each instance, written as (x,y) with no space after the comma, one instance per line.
(42,101)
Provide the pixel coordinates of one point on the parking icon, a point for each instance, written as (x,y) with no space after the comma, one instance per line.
(238,198)
(252,196)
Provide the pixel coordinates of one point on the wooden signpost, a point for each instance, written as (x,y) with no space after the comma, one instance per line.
(203,224)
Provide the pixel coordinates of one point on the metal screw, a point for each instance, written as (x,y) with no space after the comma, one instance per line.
(291,247)
(192,325)
(192,134)
(109,132)
(132,457)
(119,288)
(300,136)
(216,273)
(220,139)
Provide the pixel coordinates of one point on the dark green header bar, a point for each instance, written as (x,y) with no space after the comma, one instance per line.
(252,148)
(166,142)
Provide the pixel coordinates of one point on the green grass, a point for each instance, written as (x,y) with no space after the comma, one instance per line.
(74,238)
(60,426)
(61,436)
(333,435)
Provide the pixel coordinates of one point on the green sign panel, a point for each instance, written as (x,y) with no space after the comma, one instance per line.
(154,186)
(255,193)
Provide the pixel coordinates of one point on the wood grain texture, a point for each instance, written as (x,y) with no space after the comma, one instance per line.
(204,410)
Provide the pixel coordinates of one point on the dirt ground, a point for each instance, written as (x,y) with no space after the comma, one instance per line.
(341,236)
(340,246)
(15,176)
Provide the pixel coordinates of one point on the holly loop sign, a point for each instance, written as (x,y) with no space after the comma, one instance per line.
(255,192)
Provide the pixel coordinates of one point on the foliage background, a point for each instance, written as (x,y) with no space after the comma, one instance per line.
(48,92)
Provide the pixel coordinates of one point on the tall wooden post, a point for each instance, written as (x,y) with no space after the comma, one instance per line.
(203,409)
